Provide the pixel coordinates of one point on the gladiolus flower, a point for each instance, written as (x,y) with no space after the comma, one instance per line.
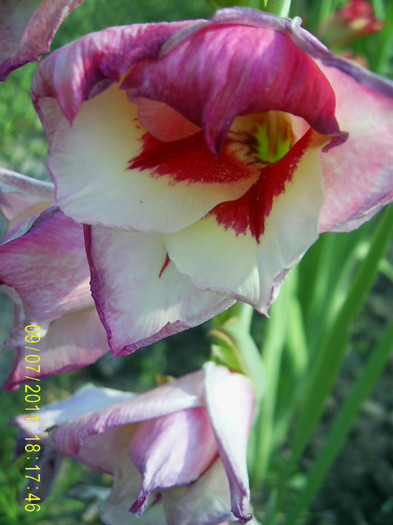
(354,20)
(359,16)
(43,268)
(27,28)
(183,443)
(205,157)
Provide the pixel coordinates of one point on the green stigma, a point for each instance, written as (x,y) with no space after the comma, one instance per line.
(273,137)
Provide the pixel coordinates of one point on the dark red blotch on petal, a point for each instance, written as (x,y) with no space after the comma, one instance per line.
(164,266)
(250,211)
(221,72)
(189,160)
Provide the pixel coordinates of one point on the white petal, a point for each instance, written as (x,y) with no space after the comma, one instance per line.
(90,161)
(140,295)
(217,257)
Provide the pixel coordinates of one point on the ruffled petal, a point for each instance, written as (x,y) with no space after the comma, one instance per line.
(79,438)
(45,261)
(99,426)
(27,30)
(171,451)
(245,248)
(230,401)
(73,341)
(139,294)
(213,75)
(358,176)
(82,69)
(86,400)
(126,485)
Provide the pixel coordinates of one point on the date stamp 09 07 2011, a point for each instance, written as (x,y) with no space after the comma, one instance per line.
(32,399)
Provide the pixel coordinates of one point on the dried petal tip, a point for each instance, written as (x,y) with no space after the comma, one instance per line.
(26,31)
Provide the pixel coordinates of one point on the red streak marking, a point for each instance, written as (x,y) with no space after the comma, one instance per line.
(164,266)
(251,210)
(189,160)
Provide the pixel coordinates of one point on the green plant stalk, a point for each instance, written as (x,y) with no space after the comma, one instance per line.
(380,60)
(234,346)
(379,9)
(271,352)
(296,350)
(331,355)
(386,268)
(342,423)
(335,276)
(325,10)
(239,310)
(219,4)
(297,339)
(330,358)
(277,7)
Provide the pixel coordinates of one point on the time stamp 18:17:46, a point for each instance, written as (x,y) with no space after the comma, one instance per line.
(32,398)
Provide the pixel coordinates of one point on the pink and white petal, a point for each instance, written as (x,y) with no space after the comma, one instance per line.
(162,121)
(205,502)
(101,451)
(358,175)
(215,75)
(244,248)
(230,402)
(86,400)
(115,514)
(78,438)
(22,197)
(73,341)
(27,28)
(13,182)
(45,261)
(82,69)
(116,509)
(163,465)
(126,486)
(312,46)
(110,171)
(301,37)
(139,294)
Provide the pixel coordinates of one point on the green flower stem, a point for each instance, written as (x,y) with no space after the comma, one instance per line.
(379,9)
(244,312)
(239,310)
(380,59)
(234,346)
(336,264)
(272,350)
(219,4)
(297,355)
(325,10)
(277,7)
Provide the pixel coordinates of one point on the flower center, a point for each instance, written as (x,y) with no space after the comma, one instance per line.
(273,136)
(262,139)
